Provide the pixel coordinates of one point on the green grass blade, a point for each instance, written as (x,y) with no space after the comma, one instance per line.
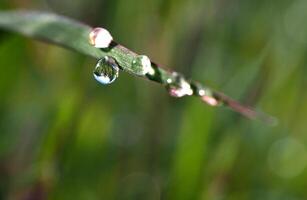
(50,28)
(75,35)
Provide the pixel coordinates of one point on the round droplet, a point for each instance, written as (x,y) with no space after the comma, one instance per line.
(178,87)
(141,65)
(210,100)
(106,70)
(205,94)
(100,38)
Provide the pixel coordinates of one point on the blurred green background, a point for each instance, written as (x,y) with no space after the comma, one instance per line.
(65,136)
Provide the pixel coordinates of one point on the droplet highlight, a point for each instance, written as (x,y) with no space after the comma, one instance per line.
(106,70)
(141,65)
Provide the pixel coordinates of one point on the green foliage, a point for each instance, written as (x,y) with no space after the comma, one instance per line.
(65,32)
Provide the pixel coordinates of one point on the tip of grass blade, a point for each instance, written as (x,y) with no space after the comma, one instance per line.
(245,110)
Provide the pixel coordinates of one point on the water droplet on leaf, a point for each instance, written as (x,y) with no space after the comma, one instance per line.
(210,100)
(106,70)
(205,94)
(100,38)
(141,65)
(178,86)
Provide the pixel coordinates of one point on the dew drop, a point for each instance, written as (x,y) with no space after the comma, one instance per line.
(210,100)
(178,87)
(141,65)
(205,94)
(106,70)
(100,38)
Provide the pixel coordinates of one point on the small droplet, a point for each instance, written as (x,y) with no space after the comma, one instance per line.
(206,96)
(178,87)
(100,38)
(210,100)
(106,70)
(141,65)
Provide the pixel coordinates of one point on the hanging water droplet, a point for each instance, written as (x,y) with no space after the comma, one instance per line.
(178,86)
(106,70)
(141,65)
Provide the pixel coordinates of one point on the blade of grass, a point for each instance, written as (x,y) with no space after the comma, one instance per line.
(71,34)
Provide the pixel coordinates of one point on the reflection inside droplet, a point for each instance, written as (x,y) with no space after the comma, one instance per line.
(106,70)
